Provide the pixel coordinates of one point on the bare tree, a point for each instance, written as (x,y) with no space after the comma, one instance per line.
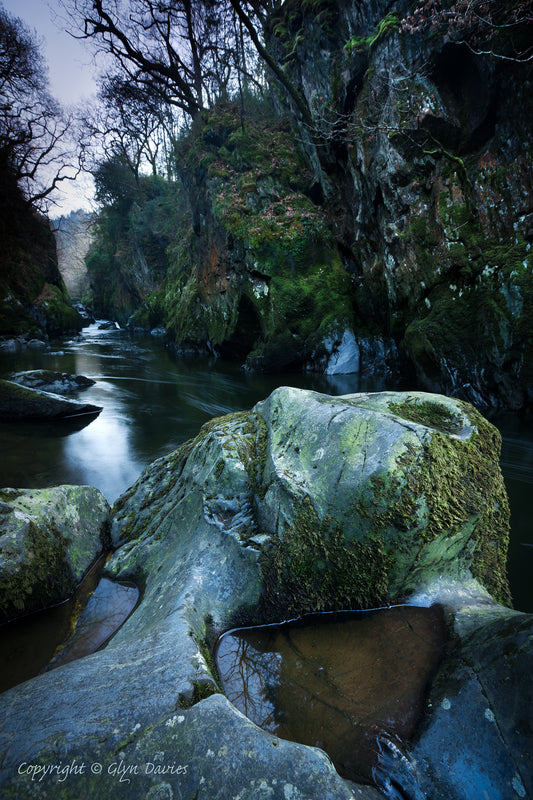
(35,149)
(172,49)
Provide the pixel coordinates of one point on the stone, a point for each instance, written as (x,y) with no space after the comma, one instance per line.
(108,325)
(391,481)
(476,735)
(48,539)
(343,355)
(22,403)
(50,381)
(305,502)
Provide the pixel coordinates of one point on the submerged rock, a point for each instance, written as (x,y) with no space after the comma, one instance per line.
(305,502)
(49,381)
(48,539)
(22,403)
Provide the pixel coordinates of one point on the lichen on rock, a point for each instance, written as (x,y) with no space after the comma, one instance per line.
(48,539)
(306,502)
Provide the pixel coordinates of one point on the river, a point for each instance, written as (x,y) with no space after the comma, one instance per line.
(153,401)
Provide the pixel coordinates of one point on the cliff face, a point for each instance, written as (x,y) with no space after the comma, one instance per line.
(265,281)
(423,151)
(247,265)
(33,296)
(73,235)
(398,218)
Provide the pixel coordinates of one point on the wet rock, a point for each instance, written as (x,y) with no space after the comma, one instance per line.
(48,539)
(21,403)
(264,511)
(85,314)
(50,381)
(107,325)
(343,354)
(476,736)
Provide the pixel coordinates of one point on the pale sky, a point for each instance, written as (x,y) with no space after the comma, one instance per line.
(71,74)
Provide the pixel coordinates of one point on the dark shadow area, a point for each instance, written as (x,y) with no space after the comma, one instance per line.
(247,332)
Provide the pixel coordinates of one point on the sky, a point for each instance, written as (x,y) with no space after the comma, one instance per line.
(71,74)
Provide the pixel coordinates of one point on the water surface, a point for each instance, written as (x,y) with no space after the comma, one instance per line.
(336,681)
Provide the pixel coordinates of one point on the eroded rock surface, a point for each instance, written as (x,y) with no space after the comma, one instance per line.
(305,502)
(48,539)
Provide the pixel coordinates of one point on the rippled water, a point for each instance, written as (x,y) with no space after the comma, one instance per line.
(153,401)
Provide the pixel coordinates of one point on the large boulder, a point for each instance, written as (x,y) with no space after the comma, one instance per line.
(305,502)
(22,403)
(48,539)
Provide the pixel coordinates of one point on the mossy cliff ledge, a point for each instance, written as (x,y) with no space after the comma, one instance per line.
(421,143)
(306,502)
(48,540)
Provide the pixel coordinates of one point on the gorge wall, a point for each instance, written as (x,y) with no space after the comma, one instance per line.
(73,235)
(397,213)
(33,298)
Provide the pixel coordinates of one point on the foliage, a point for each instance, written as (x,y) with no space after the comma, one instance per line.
(132,249)
(364,44)
(495,27)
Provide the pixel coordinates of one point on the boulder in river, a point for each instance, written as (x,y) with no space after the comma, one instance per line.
(21,403)
(48,539)
(305,502)
(47,380)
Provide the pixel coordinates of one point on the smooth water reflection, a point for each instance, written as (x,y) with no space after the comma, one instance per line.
(336,681)
(152,402)
(81,625)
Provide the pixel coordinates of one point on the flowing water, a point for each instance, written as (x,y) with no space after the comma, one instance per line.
(153,401)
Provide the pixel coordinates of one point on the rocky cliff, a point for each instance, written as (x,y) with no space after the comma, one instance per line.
(393,220)
(421,144)
(33,296)
(73,234)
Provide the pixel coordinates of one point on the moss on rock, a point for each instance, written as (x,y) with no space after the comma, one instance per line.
(48,539)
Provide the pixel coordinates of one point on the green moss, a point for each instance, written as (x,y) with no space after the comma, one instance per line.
(311,567)
(40,581)
(428,413)
(454,488)
(364,44)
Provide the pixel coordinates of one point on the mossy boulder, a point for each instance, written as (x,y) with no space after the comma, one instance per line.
(22,403)
(305,502)
(48,539)
(366,497)
(347,502)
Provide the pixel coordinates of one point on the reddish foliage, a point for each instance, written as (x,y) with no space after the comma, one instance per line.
(499,27)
